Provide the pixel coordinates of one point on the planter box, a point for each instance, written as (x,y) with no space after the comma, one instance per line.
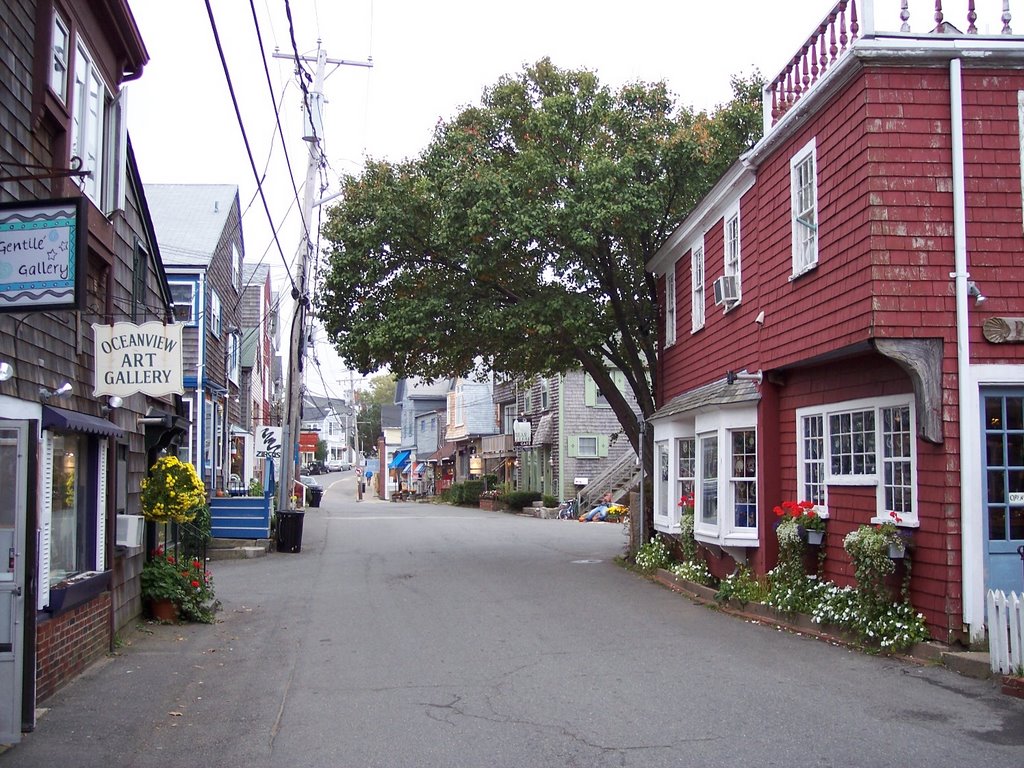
(81,589)
(493,505)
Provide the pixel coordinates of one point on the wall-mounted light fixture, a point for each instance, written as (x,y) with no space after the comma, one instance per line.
(64,390)
(975,291)
(731,377)
(6,370)
(113,403)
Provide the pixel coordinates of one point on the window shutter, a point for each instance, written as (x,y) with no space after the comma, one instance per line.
(45,517)
(602,445)
(101,508)
(572,447)
(589,392)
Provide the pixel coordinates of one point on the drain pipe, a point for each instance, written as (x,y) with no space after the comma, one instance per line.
(971,523)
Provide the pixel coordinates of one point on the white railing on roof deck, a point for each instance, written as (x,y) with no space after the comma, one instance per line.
(835,35)
(1005,632)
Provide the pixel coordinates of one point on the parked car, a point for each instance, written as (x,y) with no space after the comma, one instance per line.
(333,465)
(315,468)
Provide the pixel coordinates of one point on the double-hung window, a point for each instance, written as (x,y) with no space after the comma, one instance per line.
(216,314)
(697,287)
(860,443)
(670,307)
(59,58)
(804,205)
(732,254)
(183,294)
(98,131)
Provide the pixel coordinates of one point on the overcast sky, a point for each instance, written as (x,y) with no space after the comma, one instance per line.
(429,60)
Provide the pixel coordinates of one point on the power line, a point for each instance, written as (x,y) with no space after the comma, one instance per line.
(245,139)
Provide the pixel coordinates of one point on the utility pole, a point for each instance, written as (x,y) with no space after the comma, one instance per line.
(313,134)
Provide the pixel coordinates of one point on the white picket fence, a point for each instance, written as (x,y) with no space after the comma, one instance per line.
(1005,632)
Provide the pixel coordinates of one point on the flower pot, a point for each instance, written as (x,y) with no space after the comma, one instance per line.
(814,538)
(163,609)
(897,550)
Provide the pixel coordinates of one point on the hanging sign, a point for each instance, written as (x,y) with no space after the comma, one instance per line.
(134,358)
(521,431)
(268,443)
(42,255)
(1000,330)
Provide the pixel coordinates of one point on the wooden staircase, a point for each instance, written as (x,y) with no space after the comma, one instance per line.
(619,480)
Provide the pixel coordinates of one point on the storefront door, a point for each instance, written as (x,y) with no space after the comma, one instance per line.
(14,444)
(1003,414)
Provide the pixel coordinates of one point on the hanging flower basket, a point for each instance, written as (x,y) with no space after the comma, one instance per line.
(172,492)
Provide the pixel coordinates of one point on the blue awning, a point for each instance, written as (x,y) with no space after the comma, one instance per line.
(59,418)
(400,460)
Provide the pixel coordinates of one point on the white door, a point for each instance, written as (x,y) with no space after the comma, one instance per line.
(13,490)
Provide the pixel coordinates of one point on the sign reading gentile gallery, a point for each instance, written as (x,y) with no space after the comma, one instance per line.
(138,358)
(42,255)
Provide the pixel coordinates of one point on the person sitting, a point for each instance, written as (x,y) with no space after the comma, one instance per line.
(600,512)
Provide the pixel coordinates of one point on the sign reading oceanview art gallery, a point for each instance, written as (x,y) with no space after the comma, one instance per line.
(134,358)
(42,253)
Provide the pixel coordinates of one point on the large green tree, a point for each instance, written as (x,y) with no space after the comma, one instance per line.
(381,391)
(519,236)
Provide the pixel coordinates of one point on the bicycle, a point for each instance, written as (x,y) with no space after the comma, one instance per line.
(567,510)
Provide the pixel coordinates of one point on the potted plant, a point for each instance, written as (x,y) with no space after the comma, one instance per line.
(162,585)
(172,491)
(810,525)
(895,536)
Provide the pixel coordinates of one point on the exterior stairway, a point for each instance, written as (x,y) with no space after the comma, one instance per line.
(618,480)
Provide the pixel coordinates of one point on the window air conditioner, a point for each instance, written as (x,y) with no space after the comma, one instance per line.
(726,290)
(129,530)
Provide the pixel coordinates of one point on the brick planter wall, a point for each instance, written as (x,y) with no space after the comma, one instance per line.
(69,642)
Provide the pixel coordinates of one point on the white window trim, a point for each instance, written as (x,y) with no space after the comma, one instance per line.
(579,447)
(216,319)
(1020,136)
(698,286)
(663,517)
(798,229)
(59,61)
(193,289)
(909,519)
(720,423)
(728,269)
(97,562)
(670,306)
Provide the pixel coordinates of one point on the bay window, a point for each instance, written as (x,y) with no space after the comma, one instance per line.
(713,461)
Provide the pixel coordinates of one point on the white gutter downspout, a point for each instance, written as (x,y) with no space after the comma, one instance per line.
(199,458)
(971,524)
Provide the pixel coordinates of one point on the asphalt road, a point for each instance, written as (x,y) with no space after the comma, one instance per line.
(425,635)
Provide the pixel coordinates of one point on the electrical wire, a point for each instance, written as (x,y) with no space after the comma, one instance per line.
(245,139)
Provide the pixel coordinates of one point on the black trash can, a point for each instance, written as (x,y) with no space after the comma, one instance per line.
(313,496)
(289,530)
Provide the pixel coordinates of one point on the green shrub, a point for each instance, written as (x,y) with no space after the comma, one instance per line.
(520,499)
(742,587)
(653,555)
(549,501)
(471,490)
